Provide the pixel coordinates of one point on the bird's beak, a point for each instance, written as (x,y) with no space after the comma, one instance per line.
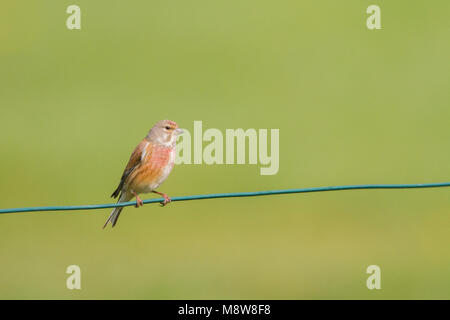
(179,131)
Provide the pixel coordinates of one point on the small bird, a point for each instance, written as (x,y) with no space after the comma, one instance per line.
(150,164)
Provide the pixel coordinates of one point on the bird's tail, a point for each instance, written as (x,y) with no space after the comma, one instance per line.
(114,216)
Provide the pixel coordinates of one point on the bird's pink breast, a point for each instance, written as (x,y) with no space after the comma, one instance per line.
(154,169)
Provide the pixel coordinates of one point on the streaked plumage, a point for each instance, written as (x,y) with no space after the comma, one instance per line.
(150,164)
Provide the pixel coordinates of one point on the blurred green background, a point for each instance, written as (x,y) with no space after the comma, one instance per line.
(353,106)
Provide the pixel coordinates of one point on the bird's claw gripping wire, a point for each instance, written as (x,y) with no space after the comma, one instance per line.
(165,202)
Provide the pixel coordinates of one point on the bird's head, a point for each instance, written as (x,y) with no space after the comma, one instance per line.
(164,132)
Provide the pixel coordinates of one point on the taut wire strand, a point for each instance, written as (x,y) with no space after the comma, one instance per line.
(231,195)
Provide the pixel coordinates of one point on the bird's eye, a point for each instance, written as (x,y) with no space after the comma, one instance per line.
(167,128)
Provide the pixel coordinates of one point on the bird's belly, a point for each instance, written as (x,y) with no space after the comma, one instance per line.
(151,180)
(153,171)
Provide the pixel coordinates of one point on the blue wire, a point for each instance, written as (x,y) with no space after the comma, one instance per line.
(231,195)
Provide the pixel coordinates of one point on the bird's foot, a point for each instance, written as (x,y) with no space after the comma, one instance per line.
(139,202)
(165,196)
(166,200)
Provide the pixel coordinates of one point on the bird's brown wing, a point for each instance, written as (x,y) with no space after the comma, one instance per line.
(133,163)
